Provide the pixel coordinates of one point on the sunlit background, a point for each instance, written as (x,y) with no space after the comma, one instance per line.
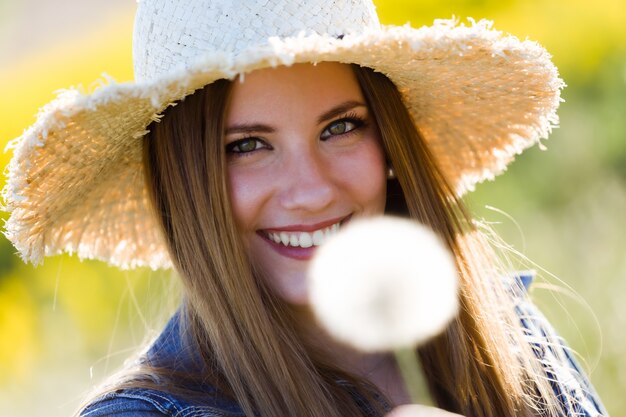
(67,324)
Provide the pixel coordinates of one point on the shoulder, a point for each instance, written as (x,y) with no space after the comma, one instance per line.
(569,382)
(142,402)
(170,352)
(130,403)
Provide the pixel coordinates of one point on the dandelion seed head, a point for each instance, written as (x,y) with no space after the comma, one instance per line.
(383,283)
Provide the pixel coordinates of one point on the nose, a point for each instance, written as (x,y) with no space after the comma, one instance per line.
(308,184)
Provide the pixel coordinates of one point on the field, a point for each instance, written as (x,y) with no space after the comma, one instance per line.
(67,324)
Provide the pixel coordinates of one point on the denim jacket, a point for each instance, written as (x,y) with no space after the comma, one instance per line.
(571,386)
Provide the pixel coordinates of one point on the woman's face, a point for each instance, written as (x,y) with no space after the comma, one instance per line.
(304,157)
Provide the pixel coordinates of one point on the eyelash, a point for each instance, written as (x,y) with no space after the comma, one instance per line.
(352,118)
(230,147)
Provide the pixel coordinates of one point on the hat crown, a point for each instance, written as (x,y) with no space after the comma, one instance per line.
(174,33)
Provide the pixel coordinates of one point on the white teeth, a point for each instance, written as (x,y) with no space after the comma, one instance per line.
(304,239)
(318,237)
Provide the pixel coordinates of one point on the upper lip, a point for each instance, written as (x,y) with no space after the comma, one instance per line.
(307,227)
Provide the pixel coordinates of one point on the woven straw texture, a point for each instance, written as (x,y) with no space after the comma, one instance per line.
(76,183)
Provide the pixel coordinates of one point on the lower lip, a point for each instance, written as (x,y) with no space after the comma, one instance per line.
(294,252)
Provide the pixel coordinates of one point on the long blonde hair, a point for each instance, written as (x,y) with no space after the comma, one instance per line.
(248,339)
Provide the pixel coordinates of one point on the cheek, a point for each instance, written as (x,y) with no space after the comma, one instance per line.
(366,177)
(247,194)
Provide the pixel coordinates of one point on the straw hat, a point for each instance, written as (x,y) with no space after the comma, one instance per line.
(75,183)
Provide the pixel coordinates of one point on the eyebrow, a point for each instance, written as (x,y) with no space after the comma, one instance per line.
(339,109)
(327,115)
(249,128)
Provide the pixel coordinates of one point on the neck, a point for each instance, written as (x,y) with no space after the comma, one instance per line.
(379,369)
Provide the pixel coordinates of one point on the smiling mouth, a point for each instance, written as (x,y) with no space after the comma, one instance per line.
(303,239)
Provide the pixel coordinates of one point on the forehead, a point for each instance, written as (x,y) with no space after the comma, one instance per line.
(303,86)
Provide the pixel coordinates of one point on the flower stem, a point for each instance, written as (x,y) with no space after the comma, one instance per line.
(413,375)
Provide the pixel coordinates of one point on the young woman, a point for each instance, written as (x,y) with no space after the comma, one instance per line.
(255,130)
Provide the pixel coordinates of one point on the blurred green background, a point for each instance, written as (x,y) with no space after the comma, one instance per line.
(67,324)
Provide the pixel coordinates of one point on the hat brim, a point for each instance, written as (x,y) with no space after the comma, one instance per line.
(76,180)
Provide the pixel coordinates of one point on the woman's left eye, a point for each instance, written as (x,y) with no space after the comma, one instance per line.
(341,127)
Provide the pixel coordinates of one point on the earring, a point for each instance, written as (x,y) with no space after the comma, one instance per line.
(391,173)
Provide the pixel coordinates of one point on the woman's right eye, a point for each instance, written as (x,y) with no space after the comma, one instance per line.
(245,145)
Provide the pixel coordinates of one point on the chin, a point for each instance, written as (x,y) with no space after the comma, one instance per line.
(294,295)
(290,285)
(295,298)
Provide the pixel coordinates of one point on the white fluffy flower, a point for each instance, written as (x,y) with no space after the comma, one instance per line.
(384,283)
